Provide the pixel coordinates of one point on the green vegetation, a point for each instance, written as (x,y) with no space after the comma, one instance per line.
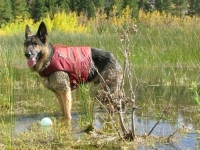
(161,57)
(86,106)
(195,90)
(164,60)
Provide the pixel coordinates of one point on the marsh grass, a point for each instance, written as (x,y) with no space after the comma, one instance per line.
(7,96)
(162,58)
(86,114)
(195,90)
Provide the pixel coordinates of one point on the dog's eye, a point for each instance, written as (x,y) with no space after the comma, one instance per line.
(34,44)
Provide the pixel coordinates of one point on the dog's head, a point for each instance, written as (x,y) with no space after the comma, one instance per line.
(35,45)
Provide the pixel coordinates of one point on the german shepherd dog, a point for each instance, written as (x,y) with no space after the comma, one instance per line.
(103,69)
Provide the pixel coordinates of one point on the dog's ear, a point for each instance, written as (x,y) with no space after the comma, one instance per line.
(42,32)
(27,31)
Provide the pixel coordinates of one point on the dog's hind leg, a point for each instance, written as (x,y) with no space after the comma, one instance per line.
(110,81)
(110,94)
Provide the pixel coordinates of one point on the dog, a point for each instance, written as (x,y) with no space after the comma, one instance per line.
(84,65)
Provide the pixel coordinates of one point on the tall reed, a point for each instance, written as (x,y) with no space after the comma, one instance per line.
(7,75)
(86,106)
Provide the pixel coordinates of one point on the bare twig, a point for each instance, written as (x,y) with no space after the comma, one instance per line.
(173,134)
(128,71)
(124,130)
(114,124)
(164,112)
(125,42)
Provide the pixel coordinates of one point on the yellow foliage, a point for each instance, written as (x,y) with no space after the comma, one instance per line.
(17,26)
(124,19)
(61,21)
(2,32)
(65,22)
(156,19)
(126,16)
(48,22)
(71,22)
(99,19)
(103,22)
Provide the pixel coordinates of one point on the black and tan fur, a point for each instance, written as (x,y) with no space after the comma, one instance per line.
(103,64)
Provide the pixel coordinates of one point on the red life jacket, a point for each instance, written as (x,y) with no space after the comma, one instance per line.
(74,60)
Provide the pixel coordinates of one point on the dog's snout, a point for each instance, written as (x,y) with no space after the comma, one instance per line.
(27,55)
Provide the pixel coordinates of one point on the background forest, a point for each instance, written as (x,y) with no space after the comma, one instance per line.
(11,10)
(87,16)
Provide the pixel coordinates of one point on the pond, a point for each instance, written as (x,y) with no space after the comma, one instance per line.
(179,128)
(182,114)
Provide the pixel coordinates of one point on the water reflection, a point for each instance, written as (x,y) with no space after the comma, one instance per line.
(182,112)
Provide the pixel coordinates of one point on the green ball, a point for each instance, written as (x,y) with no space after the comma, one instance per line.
(46,122)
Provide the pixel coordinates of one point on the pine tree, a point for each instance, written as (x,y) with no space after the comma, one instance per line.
(75,5)
(39,10)
(197,7)
(99,3)
(194,7)
(54,6)
(110,3)
(180,7)
(91,8)
(51,7)
(2,11)
(5,11)
(145,5)
(63,5)
(163,5)
(87,7)
(20,8)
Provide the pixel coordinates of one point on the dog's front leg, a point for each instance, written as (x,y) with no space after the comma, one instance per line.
(58,83)
(58,96)
(67,103)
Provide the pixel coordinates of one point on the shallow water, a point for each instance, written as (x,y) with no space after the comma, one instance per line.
(183,113)
(189,141)
(33,102)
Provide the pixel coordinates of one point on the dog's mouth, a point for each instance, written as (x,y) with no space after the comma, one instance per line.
(31,61)
(32,58)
